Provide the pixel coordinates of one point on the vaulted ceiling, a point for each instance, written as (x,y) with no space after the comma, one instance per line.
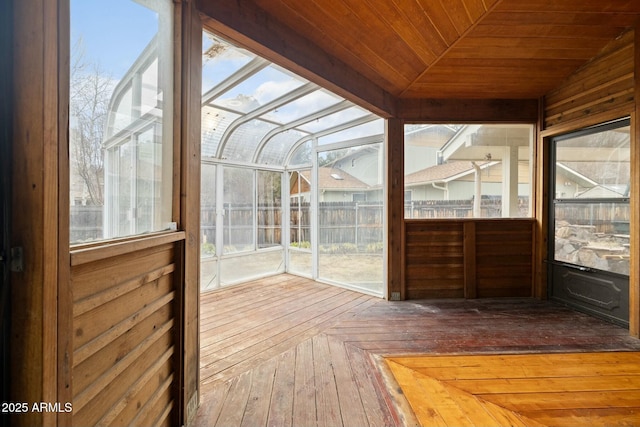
(383,51)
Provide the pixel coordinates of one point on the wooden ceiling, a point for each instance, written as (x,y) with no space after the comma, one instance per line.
(388,50)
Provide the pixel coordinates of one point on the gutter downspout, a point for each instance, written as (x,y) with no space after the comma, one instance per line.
(445,188)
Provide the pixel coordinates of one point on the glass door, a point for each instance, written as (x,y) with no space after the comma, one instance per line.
(589,218)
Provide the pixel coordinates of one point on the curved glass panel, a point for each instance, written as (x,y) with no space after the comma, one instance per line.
(374,127)
(220,60)
(259,89)
(333,120)
(242,142)
(214,122)
(302,154)
(276,149)
(304,106)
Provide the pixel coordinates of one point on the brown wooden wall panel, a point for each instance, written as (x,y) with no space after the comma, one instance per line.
(605,84)
(504,258)
(434,263)
(124,336)
(469,258)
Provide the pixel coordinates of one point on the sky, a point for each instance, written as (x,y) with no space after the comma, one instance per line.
(113,32)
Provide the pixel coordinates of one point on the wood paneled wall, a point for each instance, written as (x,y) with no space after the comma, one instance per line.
(124,332)
(470,258)
(601,90)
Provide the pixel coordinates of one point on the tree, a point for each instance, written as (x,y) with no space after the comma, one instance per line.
(90,92)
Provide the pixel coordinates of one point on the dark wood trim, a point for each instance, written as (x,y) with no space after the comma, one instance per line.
(35,207)
(395,209)
(468,110)
(65,294)
(109,249)
(541,207)
(245,23)
(634,276)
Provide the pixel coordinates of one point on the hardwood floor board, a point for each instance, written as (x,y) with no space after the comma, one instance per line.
(256,412)
(264,317)
(532,385)
(280,408)
(304,397)
(238,338)
(327,402)
(378,405)
(235,401)
(288,351)
(351,407)
(271,346)
(593,417)
(211,404)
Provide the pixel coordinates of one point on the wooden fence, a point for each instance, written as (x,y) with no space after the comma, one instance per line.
(355,223)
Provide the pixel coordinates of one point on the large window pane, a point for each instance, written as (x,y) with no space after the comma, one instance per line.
(120,118)
(350,217)
(238,210)
(208,220)
(480,171)
(300,260)
(591,204)
(269,209)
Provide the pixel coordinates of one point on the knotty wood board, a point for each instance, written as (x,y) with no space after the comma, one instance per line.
(526,389)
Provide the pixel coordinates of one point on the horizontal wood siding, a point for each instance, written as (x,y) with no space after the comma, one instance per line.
(124,329)
(504,258)
(434,261)
(602,88)
(469,258)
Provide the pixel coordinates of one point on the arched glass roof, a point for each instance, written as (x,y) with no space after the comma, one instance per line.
(256,112)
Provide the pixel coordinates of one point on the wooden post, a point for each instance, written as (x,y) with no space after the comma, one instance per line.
(395,208)
(191,82)
(35,208)
(634,259)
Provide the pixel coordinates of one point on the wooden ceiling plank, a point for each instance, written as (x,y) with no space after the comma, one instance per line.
(364,60)
(475,8)
(604,33)
(497,2)
(379,33)
(547,18)
(415,17)
(245,23)
(337,33)
(571,6)
(439,17)
(459,15)
(400,22)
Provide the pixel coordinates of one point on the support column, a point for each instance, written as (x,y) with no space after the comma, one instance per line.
(395,209)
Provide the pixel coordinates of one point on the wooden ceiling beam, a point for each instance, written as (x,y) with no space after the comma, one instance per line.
(246,24)
(468,111)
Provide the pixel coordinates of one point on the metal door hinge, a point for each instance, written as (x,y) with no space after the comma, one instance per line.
(16,260)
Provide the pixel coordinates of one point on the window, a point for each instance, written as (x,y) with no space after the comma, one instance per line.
(467,171)
(590,210)
(120,126)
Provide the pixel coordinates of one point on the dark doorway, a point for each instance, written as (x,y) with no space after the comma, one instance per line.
(589,220)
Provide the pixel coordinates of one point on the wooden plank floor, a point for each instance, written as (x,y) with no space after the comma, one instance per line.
(288,351)
(558,389)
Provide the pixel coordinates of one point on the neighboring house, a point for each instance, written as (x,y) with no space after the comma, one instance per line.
(335,185)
